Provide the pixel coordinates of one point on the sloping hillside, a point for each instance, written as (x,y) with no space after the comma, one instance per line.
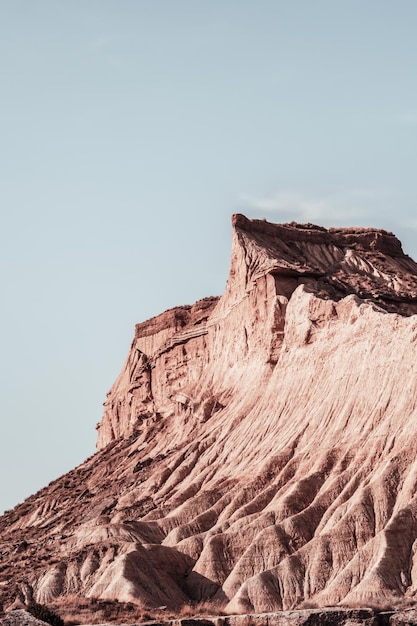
(257,449)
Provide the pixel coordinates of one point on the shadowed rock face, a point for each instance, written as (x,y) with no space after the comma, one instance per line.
(258,449)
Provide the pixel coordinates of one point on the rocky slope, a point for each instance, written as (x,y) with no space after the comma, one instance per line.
(311,617)
(257,450)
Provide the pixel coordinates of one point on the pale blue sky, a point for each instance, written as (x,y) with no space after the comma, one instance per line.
(130,131)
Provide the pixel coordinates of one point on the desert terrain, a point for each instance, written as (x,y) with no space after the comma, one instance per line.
(257,452)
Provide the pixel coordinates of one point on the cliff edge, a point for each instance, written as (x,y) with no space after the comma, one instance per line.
(257,450)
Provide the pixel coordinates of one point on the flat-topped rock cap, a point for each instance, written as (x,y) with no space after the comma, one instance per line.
(352,237)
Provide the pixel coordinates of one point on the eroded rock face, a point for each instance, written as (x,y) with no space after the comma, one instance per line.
(258,449)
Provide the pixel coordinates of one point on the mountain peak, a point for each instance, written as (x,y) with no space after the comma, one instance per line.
(366,262)
(257,450)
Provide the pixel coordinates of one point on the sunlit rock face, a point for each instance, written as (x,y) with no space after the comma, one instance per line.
(257,449)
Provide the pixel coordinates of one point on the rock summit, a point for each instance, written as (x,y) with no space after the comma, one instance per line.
(258,450)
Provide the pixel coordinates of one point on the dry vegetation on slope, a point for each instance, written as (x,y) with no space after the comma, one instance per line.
(257,451)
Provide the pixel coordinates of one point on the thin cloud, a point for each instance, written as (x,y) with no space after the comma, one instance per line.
(368,194)
(356,207)
(302,208)
(407,118)
(411,223)
(102,43)
(105,48)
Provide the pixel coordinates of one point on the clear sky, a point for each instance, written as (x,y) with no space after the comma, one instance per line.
(130,131)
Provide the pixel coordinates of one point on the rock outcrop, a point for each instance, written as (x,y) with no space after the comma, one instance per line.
(258,450)
(311,617)
(21,617)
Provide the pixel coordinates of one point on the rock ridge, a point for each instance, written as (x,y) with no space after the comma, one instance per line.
(257,451)
(359,238)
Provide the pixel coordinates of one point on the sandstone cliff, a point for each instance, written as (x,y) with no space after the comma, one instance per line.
(257,449)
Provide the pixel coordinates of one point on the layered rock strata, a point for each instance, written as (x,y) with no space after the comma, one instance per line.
(257,450)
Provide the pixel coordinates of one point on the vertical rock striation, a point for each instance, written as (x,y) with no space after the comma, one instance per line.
(258,449)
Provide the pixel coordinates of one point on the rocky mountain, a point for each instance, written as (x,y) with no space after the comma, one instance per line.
(258,450)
